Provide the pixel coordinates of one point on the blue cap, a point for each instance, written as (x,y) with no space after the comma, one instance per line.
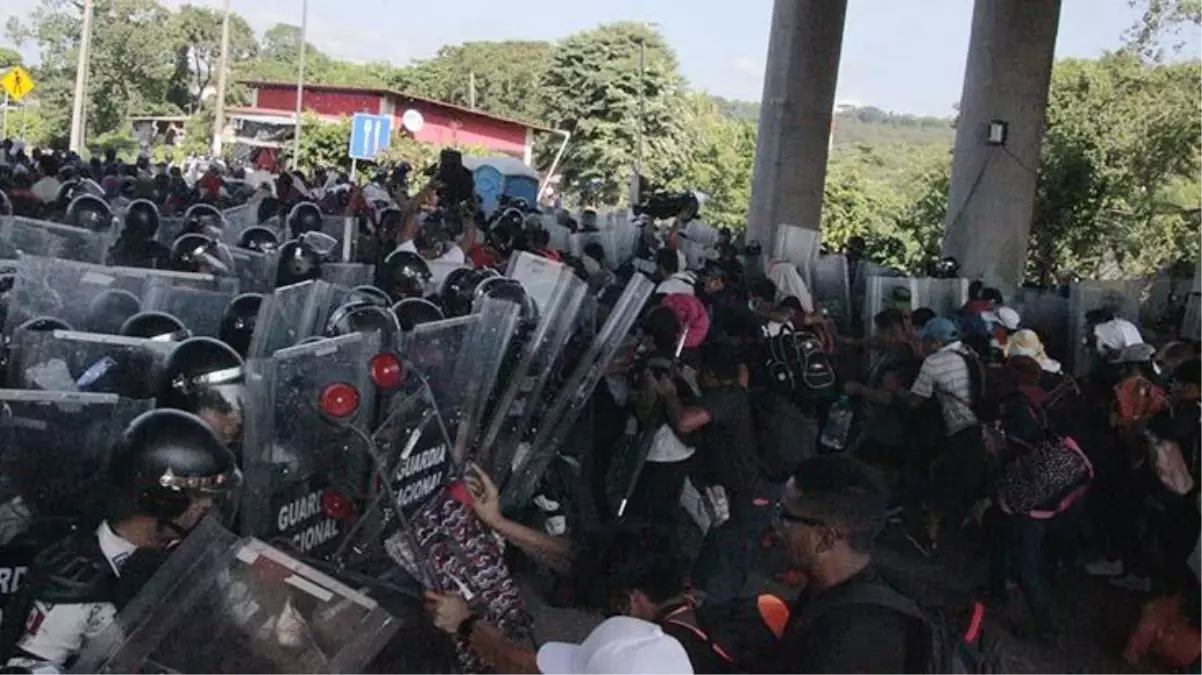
(940,329)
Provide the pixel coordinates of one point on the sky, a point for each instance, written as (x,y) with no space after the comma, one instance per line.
(901,55)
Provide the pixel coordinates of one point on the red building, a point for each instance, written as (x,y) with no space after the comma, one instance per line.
(441,123)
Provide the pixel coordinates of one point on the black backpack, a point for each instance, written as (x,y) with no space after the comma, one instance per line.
(739,631)
(798,368)
(955,646)
(785,436)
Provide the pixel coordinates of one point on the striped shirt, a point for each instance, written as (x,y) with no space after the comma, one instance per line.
(945,376)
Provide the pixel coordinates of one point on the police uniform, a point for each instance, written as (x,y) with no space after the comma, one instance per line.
(74,597)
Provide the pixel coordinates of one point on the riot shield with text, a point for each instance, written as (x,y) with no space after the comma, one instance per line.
(310,408)
(71,361)
(45,238)
(199,310)
(553,429)
(74,291)
(559,294)
(228,604)
(54,452)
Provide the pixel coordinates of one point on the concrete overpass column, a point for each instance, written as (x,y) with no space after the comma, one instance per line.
(795,116)
(992,194)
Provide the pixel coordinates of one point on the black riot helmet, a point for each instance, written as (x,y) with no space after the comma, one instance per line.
(71,189)
(238,323)
(371,294)
(109,310)
(89,212)
(42,324)
(433,236)
(168,458)
(391,221)
(204,219)
(202,374)
(141,220)
(458,290)
(259,238)
(403,275)
(157,326)
(199,254)
(364,317)
(413,312)
(268,207)
(297,263)
(304,217)
(501,288)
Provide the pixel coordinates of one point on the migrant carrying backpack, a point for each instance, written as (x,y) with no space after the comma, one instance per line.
(798,368)
(739,632)
(1044,480)
(956,646)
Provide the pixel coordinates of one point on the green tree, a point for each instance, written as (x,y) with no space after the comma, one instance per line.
(1162,20)
(198,52)
(719,162)
(591,88)
(322,143)
(506,76)
(10,58)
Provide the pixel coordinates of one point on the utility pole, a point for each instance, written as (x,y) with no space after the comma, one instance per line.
(222,67)
(471,89)
(300,85)
(642,105)
(79,105)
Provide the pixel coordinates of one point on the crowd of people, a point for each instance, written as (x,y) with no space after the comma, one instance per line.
(740,408)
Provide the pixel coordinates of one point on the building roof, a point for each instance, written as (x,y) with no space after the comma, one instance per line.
(384,91)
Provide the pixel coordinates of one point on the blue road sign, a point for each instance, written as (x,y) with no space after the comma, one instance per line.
(369,135)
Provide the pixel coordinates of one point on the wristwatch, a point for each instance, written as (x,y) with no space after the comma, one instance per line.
(467,626)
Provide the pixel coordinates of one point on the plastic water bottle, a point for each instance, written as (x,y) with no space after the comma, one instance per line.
(838,424)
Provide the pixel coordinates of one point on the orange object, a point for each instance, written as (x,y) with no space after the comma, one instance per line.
(775,613)
(1137,398)
(1164,637)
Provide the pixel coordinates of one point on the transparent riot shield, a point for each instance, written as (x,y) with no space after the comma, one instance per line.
(440,270)
(540,347)
(799,246)
(1120,297)
(55,240)
(169,230)
(945,296)
(348,274)
(880,292)
(1046,313)
(54,452)
(228,604)
(70,361)
(291,314)
(310,408)
(1191,326)
(626,238)
(477,372)
(554,427)
(73,291)
(237,220)
(200,310)
(256,272)
(831,289)
(606,238)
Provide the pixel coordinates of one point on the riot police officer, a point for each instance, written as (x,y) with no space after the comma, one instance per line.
(298,262)
(136,246)
(90,213)
(199,254)
(404,274)
(238,323)
(167,473)
(204,376)
(157,326)
(259,238)
(304,217)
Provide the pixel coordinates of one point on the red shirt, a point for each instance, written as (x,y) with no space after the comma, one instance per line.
(482,256)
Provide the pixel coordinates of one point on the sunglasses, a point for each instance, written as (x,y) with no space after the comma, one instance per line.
(784,516)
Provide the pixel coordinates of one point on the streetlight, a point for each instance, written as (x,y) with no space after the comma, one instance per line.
(78,107)
(300,85)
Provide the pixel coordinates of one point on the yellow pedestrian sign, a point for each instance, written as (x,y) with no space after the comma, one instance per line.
(17,83)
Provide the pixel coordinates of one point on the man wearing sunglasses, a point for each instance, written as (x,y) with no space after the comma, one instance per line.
(832,510)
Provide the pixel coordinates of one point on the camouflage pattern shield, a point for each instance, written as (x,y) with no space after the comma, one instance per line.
(831,288)
(553,429)
(54,452)
(200,310)
(44,238)
(1120,297)
(70,361)
(560,295)
(228,604)
(256,272)
(75,291)
(304,458)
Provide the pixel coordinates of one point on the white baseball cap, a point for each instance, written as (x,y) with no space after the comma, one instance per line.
(620,645)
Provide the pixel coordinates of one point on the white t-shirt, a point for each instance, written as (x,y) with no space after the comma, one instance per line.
(454,254)
(57,632)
